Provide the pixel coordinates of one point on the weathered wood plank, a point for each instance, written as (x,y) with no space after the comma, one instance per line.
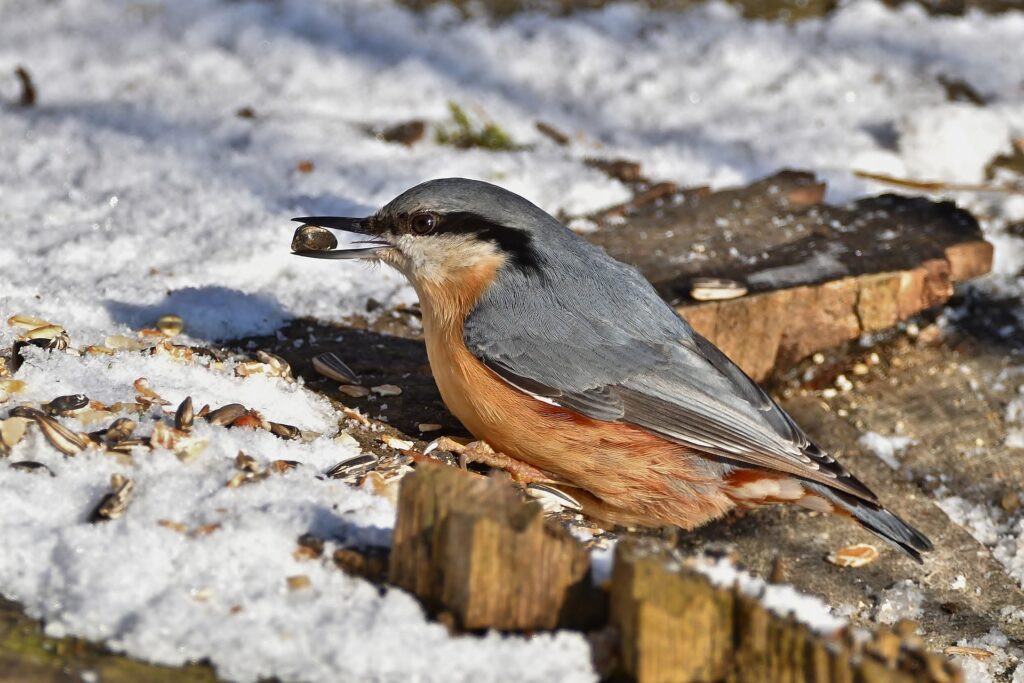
(817,275)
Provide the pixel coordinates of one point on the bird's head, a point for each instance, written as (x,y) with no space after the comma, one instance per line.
(445,232)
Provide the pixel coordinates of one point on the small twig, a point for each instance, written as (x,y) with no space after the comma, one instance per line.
(28,90)
(938,185)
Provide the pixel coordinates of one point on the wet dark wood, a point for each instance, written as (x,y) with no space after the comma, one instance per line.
(817,275)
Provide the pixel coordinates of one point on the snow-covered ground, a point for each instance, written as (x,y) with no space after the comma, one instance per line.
(133,189)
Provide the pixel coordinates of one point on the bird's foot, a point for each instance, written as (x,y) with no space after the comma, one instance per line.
(481,452)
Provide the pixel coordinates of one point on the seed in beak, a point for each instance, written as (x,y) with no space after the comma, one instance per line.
(313,238)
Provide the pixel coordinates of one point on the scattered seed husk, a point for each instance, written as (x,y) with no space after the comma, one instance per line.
(385,487)
(126,446)
(93,350)
(12,386)
(407,133)
(183,416)
(387,389)
(396,443)
(285,431)
(246,463)
(91,417)
(715,289)
(299,582)
(282,466)
(553,499)
(12,430)
(428,426)
(854,556)
(120,429)
(225,415)
(346,439)
(28,88)
(27,321)
(47,331)
(119,342)
(357,416)
(145,395)
(313,238)
(64,405)
(27,412)
(114,504)
(353,390)
(247,421)
(976,652)
(353,468)
(331,366)
(60,437)
(172,525)
(31,466)
(311,543)
(279,366)
(170,325)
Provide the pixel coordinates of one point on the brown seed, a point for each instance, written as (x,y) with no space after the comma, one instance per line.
(31,466)
(114,504)
(976,652)
(299,582)
(282,466)
(408,133)
(353,390)
(146,395)
(247,421)
(172,525)
(62,405)
(183,417)
(285,431)
(304,166)
(170,325)
(120,429)
(60,437)
(246,463)
(313,238)
(225,415)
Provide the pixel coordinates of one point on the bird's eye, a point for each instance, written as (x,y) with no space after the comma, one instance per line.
(423,223)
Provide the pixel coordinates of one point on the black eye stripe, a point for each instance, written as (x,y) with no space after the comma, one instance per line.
(513,241)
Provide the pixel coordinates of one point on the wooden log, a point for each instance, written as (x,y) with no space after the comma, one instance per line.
(470,546)
(673,625)
(817,275)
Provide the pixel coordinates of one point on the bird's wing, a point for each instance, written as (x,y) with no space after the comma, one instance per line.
(684,389)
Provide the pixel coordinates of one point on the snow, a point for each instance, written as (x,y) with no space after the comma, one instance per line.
(156,592)
(885,448)
(133,189)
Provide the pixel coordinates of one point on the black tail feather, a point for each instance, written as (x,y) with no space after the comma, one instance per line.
(878,520)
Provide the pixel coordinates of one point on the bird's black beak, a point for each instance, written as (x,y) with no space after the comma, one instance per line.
(361,226)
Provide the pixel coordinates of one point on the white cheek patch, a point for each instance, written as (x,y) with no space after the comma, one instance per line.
(439,258)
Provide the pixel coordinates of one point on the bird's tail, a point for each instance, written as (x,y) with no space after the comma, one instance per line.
(876,519)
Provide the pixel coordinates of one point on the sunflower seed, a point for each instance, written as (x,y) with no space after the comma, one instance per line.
(170,325)
(331,366)
(62,405)
(715,289)
(12,429)
(145,395)
(184,416)
(552,499)
(313,238)
(113,504)
(46,331)
(31,466)
(27,412)
(285,431)
(60,437)
(225,415)
(353,468)
(120,429)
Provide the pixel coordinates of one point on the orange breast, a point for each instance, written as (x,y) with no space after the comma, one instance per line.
(625,467)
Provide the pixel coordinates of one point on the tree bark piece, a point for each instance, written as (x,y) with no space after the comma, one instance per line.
(676,627)
(817,275)
(469,546)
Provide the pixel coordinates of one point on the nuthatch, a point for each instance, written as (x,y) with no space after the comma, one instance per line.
(572,371)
